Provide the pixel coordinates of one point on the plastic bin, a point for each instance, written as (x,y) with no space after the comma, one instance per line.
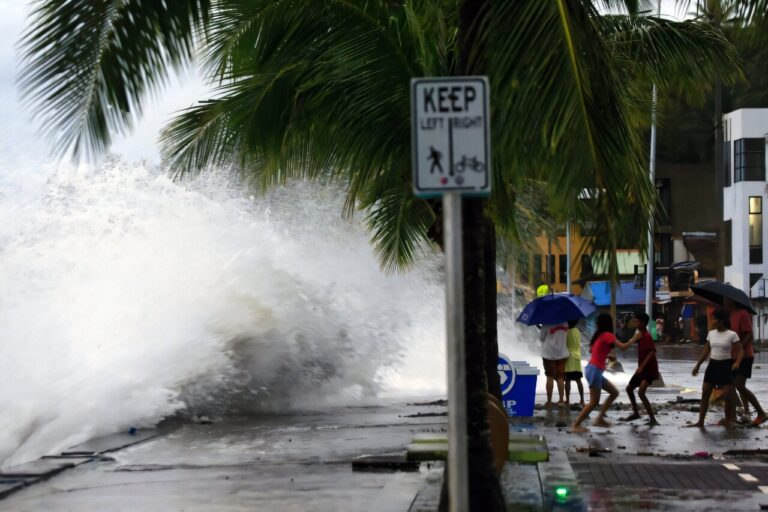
(518,386)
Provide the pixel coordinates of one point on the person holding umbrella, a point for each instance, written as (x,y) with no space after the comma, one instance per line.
(552,312)
(721,342)
(741,324)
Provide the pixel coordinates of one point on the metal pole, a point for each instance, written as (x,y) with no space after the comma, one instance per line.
(458,477)
(649,280)
(568,255)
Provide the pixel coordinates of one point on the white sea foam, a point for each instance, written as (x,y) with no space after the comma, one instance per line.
(125,298)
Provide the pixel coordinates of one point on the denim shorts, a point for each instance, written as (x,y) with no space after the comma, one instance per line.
(594,376)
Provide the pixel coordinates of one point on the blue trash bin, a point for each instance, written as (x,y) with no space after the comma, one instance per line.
(518,386)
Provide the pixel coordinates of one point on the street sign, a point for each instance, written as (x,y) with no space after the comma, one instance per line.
(450,126)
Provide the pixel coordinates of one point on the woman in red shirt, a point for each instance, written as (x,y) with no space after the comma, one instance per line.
(602,342)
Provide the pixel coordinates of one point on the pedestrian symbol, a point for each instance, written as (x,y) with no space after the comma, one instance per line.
(435,156)
(451,135)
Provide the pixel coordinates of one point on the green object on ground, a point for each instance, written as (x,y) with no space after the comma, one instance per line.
(523,448)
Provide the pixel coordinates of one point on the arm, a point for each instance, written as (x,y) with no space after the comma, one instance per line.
(624,346)
(702,358)
(739,357)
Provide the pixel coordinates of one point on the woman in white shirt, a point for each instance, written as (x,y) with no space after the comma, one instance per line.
(719,374)
(554,353)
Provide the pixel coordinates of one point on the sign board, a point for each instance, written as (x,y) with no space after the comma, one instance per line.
(450,127)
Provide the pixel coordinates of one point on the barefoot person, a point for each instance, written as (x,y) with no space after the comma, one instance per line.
(719,374)
(573,365)
(741,324)
(554,354)
(602,342)
(647,369)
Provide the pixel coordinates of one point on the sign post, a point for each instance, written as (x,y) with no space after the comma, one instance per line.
(451,157)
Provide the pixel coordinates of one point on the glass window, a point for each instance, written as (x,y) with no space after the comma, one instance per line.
(537,273)
(728,247)
(551,269)
(749,160)
(563,269)
(727,162)
(755,229)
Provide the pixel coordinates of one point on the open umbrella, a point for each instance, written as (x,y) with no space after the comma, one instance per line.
(555,308)
(717,292)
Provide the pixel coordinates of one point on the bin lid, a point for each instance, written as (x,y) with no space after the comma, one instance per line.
(527,370)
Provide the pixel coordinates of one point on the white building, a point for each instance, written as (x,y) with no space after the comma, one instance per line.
(744,196)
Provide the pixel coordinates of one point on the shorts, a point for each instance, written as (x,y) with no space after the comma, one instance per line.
(573,375)
(555,368)
(719,373)
(594,376)
(745,368)
(638,379)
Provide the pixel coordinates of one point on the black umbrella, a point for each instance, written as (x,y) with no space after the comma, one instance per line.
(716,292)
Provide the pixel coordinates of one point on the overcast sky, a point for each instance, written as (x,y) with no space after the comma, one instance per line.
(18,139)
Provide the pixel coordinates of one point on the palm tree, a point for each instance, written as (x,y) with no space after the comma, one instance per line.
(320,90)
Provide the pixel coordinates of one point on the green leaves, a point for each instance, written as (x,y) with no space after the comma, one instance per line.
(89,64)
(320,90)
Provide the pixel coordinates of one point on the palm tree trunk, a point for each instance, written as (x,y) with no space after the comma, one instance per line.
(613,276)
(479,259)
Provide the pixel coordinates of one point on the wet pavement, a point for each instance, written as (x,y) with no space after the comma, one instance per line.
(287,463)
(300,462)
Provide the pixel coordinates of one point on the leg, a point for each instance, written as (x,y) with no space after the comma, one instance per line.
(631,394)
(747,397)
(730,409)
(560,386)
(646,403)
(560,378)
(550,386)
(594,400)
(567,392)
(739,384)
(613,393)
(581,390)
(706,393)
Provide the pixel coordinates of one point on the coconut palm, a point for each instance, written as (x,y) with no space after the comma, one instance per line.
(320,90)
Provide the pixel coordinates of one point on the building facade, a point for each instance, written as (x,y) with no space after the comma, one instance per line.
(744,197)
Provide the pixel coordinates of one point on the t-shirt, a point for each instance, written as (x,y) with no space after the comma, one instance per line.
(644,347)
(741,324)
(553,341)
(722,343)
(600,349)
(573,342)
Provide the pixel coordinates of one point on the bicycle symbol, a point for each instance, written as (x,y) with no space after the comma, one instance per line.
(469,163)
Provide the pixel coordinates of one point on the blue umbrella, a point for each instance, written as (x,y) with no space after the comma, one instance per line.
(555,308)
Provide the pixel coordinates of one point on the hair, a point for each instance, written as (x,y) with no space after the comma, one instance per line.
(572,323)
(720,315)
(604,324)
(643,318)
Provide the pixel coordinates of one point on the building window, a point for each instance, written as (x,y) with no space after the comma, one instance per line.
(728,256)
(749,160)
(563,269)
(727,162)
(755,229)
(551,269)
(537,274)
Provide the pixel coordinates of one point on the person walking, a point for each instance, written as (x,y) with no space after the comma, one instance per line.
(741,324)
(647,369)
(554,354)
(601,345)
(721,342)
(573,365)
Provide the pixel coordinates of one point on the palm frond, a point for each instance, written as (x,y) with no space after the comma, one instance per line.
(87,65)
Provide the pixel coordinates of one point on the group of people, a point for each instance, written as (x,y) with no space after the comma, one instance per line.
(729,348)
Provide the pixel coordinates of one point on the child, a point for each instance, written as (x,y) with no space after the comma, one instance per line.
(573,365)
(602,342)
(719,373)
(647,369)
